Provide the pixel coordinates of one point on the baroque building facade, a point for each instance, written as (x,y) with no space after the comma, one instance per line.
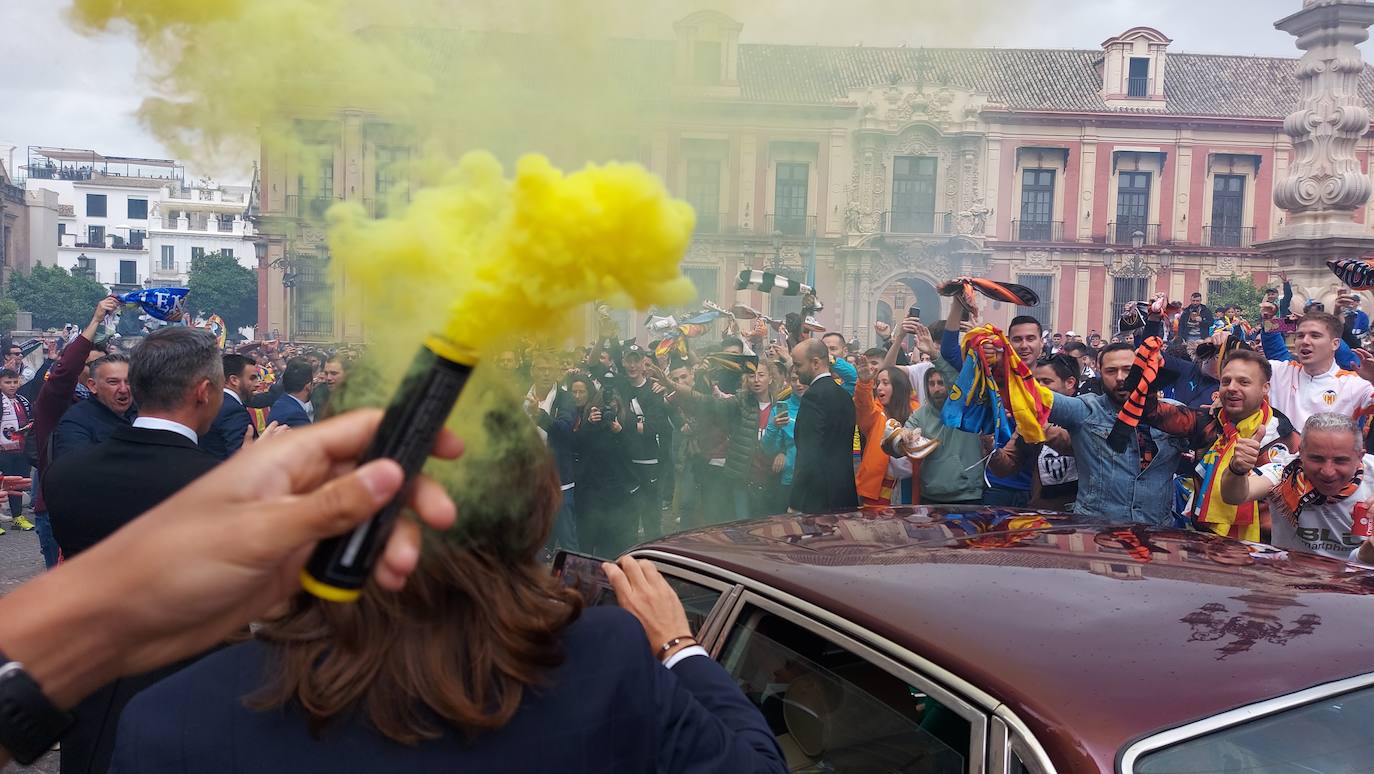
(1095,176)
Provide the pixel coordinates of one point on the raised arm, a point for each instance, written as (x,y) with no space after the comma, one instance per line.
(1239,482)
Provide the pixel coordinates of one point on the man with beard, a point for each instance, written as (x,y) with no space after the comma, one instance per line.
(1027,338)
(1313,496)
(824,477)
(1242,411)
(1129,487)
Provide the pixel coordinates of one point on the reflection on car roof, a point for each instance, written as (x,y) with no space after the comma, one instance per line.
(1108,632)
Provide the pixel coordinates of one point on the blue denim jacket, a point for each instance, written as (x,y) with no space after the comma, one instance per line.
(1112,489)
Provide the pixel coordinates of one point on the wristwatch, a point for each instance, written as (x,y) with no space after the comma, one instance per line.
(29,724)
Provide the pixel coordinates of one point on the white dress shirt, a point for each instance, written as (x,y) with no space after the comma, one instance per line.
(158,423)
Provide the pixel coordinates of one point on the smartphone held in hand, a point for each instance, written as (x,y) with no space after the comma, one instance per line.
(583,574)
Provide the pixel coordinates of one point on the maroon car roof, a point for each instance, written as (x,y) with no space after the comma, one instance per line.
(1094,635)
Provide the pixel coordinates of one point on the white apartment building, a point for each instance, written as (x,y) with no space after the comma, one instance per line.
(135,222)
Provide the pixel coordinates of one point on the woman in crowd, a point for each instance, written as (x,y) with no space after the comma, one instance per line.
(598,468)
(779,437)
(482,662)
(879,397)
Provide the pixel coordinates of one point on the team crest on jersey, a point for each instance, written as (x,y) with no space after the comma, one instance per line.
(1329,397)
(1277,453)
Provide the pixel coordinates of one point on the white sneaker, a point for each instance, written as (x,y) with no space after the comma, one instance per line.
(5,518)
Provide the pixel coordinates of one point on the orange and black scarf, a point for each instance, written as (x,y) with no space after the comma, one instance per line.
(1295,492)
(1149,359)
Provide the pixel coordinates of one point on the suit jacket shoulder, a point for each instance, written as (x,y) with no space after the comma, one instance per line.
(288,412)
(613,706)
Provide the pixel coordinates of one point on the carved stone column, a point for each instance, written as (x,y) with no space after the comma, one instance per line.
(1325,185)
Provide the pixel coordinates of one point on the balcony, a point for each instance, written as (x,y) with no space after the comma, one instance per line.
(1138,87)
(1037,231)
(916,222)
(313,207)
(1123,233)
(1228,236)
(791,225)
(203,223)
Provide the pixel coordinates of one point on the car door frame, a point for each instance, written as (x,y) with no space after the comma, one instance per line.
(1000,733)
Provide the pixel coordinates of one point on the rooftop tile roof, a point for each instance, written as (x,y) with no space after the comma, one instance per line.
(1022,79)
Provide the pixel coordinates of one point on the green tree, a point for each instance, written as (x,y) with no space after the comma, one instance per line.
(1240,291)
(220,285)
(55,296)
(9,311)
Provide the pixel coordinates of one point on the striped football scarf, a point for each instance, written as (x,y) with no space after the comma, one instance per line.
(1214,513)
(993,398)
(1358,273)
(1140,382)
(1295,492)
(767,282)
(1006,292)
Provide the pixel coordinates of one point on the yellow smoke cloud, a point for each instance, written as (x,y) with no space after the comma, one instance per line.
(516,256)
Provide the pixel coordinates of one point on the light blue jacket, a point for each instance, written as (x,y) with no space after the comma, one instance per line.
(782,440)
(1112,489)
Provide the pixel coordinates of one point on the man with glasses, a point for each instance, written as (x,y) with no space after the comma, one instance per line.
(14,361)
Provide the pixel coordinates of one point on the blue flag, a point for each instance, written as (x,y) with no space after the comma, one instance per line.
(972,406)
(166,304)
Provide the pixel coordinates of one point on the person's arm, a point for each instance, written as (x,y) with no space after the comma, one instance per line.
(1179,421)
(1240,482)
(706,723)
(779,438)
(847,374)
(1011,458)
(1243,488)
(1286,300)
(212,558)
(949,342)
(1068,412)
(1275,348)
(69,437)
(1346,357)
(866,407)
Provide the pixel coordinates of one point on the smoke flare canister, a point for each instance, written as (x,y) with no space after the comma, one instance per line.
(340,566)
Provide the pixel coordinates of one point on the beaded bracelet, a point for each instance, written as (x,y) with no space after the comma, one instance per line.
(673,643)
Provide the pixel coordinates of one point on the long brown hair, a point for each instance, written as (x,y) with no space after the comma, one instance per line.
(899,402)
(478,622)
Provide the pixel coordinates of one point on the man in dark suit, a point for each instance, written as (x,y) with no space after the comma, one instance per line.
(293,409)
(824,477)
(227,432)
(177,377)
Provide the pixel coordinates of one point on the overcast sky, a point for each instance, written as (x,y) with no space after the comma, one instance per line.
(60,88)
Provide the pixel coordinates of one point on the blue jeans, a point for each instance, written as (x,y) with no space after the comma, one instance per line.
(46,543)
(1005,497)
(565,527)
(43,526)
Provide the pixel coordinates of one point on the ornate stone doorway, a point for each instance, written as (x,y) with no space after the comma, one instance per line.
(902,292)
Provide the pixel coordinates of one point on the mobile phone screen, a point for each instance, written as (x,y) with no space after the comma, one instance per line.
(583,573)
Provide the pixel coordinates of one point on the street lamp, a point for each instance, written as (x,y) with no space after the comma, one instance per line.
(776,262)
(1135,265)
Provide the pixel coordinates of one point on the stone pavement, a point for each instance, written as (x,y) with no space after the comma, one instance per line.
(19,561)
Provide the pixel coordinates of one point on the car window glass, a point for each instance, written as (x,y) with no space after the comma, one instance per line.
(834,711)
(698,600)
(1327,735)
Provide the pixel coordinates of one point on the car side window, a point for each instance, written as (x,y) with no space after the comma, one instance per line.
(832,710)
(697,600)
